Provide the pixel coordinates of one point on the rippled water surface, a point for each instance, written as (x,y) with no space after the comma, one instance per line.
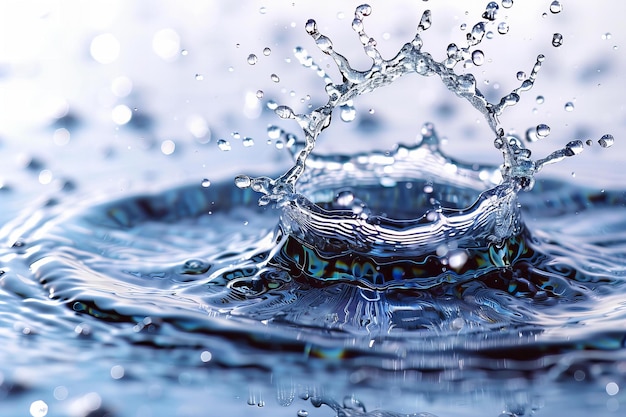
(404,274)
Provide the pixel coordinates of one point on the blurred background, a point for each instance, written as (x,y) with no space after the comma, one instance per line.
(111,97)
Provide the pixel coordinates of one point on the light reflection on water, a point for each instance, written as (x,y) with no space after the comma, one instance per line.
(181,105)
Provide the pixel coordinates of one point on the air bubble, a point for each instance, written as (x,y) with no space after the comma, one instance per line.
(556,7)
(223,144)
(557,40)
(606,141)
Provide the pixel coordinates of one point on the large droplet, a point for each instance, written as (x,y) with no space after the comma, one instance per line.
(556,7)
(252,59)
(543,131)
(606,141)
(491,10)
(242,181)
(478,57)
(284,112)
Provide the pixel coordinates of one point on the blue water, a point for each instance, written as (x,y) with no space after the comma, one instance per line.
(129,286)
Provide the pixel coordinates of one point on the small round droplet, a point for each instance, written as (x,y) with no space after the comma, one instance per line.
(569,106)
(543,131)
(267,51)
(248,142)
(206,183)
(302,413)
(606,141)
(478,57)
(252,59)
(275,78)
(263,10)
(199,77)
(607,36)
(284,112)
(503,28)
(521,75)
(463,26)
(223,144)
(556,7)
(259,94)
(540,99)
(557,40)
(507,4)
(348,113)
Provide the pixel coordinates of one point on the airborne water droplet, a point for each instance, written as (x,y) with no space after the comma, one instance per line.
(503,28)
(247,142)
(556,7)
(206,183)
(275,78)
(521,75)
(284,112)
(252,59)
(540,99)
(507,4)
(259,94)
(491,10)
(478,57)
(348,113)
(223,144)
(242,181)
(606,141)
(557,40)
(543,130)
(569,106)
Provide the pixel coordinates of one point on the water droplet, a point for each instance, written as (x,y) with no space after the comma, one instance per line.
(247,142)
(463,26)
(521,75)
(274,132)
(557,40)
(569,106)
(284,112)
(344,198)
(199,77)
(491,10)
(607,36)
(540,99)
(606,141)
(259,94)
(507,4)
(242,181)
(302,413)
(267,51)
(168,147)
(206,183)
(574,148)
(543,130)
(478,57)
(556,7)
(589,142)
(252,59)
(503,28)
(275,78)
(348,113)
(263,10)
(271,105)
(224,145)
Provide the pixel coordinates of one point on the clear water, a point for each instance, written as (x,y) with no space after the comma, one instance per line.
(365,283)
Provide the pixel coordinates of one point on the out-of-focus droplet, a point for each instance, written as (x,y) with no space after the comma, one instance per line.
(166,44)
(105,48)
